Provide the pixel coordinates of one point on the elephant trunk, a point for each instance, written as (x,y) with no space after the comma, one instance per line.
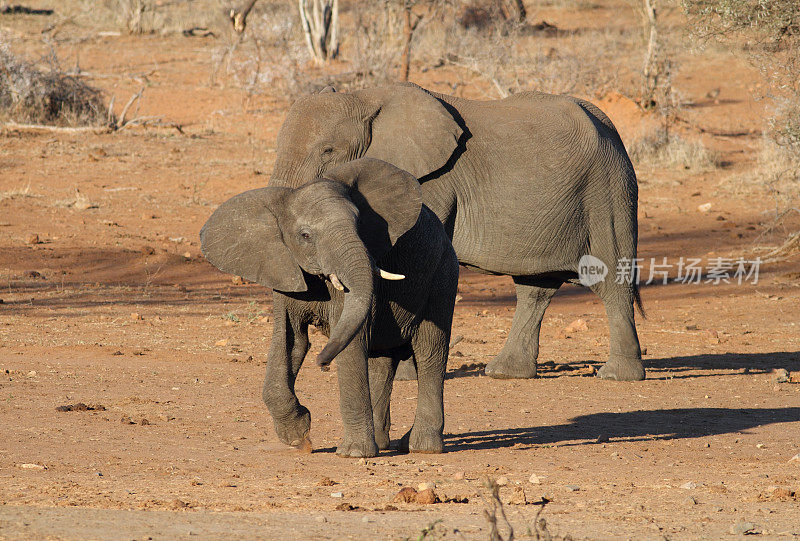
(291,172)
(352,267)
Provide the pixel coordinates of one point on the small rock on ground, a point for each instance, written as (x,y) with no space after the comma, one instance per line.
(744,528)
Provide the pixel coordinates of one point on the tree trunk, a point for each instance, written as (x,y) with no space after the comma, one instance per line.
(320,21)
(410,23)
(649,69)
(239,15)
(408,34)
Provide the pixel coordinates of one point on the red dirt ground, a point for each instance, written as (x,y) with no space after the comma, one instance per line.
(116,306)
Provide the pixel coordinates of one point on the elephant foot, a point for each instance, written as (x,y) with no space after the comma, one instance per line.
(357,449)
(622,370)
(406,371)
(421,441)
(506,366)
(304,445)
(295,430)
(382,440)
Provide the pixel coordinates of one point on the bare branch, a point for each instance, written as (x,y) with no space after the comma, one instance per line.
(121,121)
(13,126)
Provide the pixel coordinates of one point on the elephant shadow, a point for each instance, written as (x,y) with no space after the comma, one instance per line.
(466,370)
(708,364)
(647,425)
(681,367)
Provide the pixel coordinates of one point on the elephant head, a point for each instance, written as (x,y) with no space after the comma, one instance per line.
(401,124)
(334,227)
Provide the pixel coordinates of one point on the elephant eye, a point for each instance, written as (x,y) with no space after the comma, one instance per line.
(305,234)
(327,151)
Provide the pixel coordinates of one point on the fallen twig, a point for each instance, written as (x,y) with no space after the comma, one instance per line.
(140,121)
(13,126)
(121,121)
(199,32)
(784,251)
(110,118)
(24,10)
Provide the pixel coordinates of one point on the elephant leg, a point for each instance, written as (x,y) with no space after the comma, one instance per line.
(355,404)
(288,349)
(430,343)
(518,356)
(381,376)
(625,359)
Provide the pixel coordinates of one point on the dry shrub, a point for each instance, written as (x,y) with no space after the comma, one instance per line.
(269,58)
(31,94)
(376,45)
(138,17)
(501,528)
(772,33)
(475,16)
(779,170)
(776,175)
(132,14)
(659,148)
(497,57)
(512,58)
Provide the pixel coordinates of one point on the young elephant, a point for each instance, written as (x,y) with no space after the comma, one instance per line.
(319,247)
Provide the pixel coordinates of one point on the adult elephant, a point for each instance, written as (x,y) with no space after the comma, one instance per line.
(525,186)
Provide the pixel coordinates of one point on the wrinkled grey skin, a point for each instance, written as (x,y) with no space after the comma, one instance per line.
(362,215)
(525,186)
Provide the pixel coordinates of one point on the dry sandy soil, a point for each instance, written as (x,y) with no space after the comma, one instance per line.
(115,307)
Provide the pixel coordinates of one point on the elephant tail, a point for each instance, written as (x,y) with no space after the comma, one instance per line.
(637,297)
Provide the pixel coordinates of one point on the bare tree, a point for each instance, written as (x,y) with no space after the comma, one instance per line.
(426,9)
(410,23)
(649,71)
(320,21)
(657,65)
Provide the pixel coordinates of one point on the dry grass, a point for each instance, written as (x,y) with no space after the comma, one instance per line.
(659,148)
(158,17)
(495,58)
(135,15)
(268,58)
(502,529)
(271,58)
(17,193)
(776,176)
(778,170)
(513,58)
(31,94)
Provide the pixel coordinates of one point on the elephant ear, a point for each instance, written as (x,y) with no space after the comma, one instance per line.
(242,237)
(389,200)
(410,128)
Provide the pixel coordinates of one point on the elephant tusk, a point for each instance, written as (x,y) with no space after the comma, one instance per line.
(386,275)
(336,283)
